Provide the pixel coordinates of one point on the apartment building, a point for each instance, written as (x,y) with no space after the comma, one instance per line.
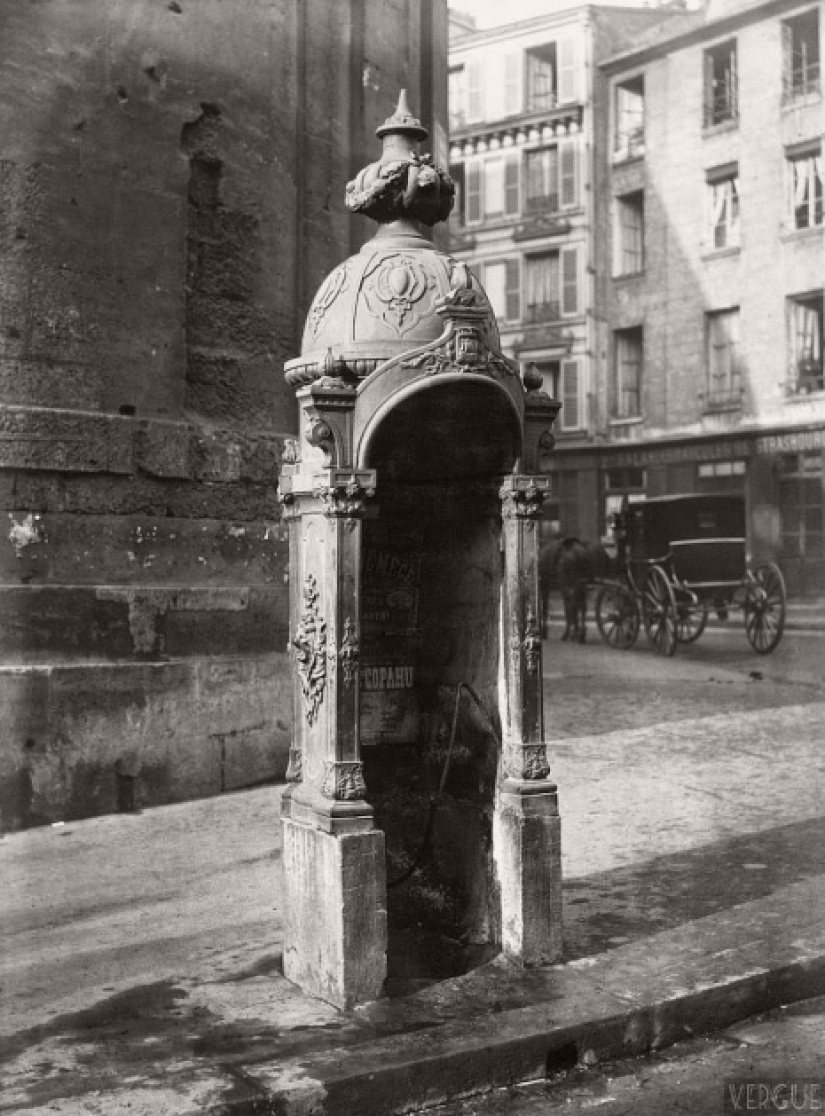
(526,101)
(709,298)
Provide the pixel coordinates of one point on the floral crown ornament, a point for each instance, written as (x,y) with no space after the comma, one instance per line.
(402,183)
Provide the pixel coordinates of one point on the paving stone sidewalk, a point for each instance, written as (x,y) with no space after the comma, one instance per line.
(141,954)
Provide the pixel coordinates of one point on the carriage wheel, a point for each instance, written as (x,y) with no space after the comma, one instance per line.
(617,616)
(765,608)
(691,617)
(659,611)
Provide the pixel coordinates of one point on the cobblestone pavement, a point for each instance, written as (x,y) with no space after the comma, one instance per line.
(772,1054)
(594,689)
(720,755)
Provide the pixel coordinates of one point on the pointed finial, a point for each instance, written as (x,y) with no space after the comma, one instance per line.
(402,122)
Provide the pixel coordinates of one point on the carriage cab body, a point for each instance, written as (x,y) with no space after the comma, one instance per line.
(679,556)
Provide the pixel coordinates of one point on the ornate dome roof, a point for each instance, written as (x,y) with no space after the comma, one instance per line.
(382,301)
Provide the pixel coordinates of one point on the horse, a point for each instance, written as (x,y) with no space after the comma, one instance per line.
(570,565)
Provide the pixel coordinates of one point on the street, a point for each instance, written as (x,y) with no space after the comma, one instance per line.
(709,744)
(784,1047)
(688,786)
(594,689)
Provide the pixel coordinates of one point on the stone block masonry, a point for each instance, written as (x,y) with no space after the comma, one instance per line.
(164,218)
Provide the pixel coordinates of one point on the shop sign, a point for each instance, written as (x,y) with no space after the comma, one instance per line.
(797,441)
(671,455)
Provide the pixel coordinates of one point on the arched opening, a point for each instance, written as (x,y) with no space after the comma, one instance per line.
(430,599)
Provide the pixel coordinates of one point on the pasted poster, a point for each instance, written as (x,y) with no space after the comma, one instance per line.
(390,586)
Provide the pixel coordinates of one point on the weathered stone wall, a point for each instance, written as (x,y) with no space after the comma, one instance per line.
(171,185)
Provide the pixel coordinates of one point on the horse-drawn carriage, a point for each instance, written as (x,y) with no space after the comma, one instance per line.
(678,557)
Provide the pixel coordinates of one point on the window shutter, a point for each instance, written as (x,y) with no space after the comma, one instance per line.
(570,395)
(475,92)
(513,311)
(708,90)
(569,63)
(569,173)
(511,185)
(618,244)
(512,84)
(473,190)
(569,281)
(787,61)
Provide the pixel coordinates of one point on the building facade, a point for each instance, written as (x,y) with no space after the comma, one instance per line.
(525,109)
(710,297)
(172,183)
(655,245)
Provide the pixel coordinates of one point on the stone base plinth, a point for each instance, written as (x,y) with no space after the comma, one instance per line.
(527,841)
(335,918)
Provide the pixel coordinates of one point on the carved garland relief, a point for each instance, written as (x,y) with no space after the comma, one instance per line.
(532,642)
(348,654)
(310,647)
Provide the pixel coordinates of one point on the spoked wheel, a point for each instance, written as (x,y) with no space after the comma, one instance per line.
(659,611)
(691,617)
(765,608)
(617,616)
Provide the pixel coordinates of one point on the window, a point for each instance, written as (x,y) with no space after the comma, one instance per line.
(721,476)
(542,174)
(629,233)
(458,97)
(491,88)
(805,189)
(561,381)
(542,88)
(723,207)
(491,187)
(458,216)
(805,344)
(721,469)
(472,191)
(721,84)
(629,137)
(800,47)
(501,282)
(552,286)
(629,356)
(551,377)
(800,500)
(543,290)
(569,55)
(621,479)
(552,177)
(723,361)
(571,409)
(475,91)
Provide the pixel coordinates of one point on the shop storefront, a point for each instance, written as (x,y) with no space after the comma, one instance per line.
(780,474)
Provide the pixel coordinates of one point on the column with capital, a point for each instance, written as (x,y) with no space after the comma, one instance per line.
(335,879)
(527,827)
